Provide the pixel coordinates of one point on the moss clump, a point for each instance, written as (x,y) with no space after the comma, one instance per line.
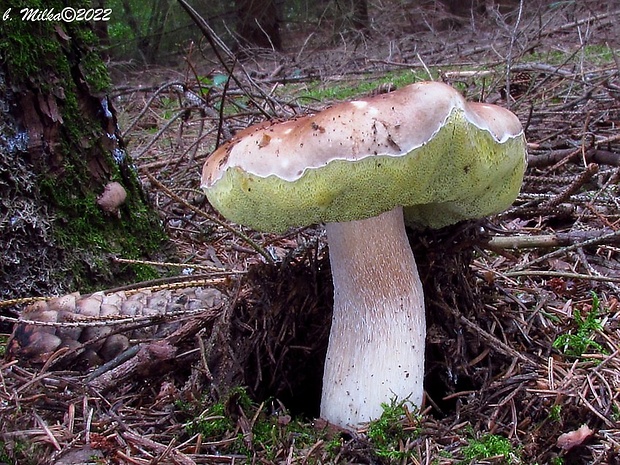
(93,68)
(491,445)
(81,226)
(31,47)
(390,432)
(237,425)
(22,49)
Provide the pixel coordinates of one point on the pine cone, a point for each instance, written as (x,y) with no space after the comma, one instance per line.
(97,339)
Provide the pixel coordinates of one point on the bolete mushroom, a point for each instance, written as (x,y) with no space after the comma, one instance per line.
(356,166)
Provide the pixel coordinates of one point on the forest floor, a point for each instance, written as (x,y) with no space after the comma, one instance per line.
(523,309)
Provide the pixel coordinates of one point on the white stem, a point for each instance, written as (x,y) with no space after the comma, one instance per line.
(376,344)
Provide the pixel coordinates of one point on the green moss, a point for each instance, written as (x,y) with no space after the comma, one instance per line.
(32,46)
(555,413)
(390,431)
(21,452)
(4,455)
(491,445)
(319,92)
(237,425)
(215,421)
(3,342)
(96,73)
(91,65)
(83,227)
(212,424)
(596,54)
(24,51)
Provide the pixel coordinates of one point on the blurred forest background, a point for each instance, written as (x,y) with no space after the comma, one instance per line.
(156,32)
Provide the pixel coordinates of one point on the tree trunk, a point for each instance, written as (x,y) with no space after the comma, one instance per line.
(59,148)
(258,24)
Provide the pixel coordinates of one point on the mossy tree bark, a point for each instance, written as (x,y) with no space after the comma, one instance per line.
(59,148)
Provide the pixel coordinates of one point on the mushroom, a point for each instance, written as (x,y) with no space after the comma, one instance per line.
(356,166)
(112,197)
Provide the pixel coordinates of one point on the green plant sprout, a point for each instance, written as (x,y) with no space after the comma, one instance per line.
(555,413)
(577,343)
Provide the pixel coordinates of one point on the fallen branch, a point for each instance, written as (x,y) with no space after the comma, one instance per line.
(560,274)
(553,240)
(600,239)
(602,157)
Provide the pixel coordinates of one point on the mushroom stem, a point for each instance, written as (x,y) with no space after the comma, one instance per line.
(377,339)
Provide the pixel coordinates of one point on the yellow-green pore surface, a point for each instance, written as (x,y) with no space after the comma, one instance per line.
(463,172)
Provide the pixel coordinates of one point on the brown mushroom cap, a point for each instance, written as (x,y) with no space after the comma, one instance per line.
(114,195)
(436,152)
